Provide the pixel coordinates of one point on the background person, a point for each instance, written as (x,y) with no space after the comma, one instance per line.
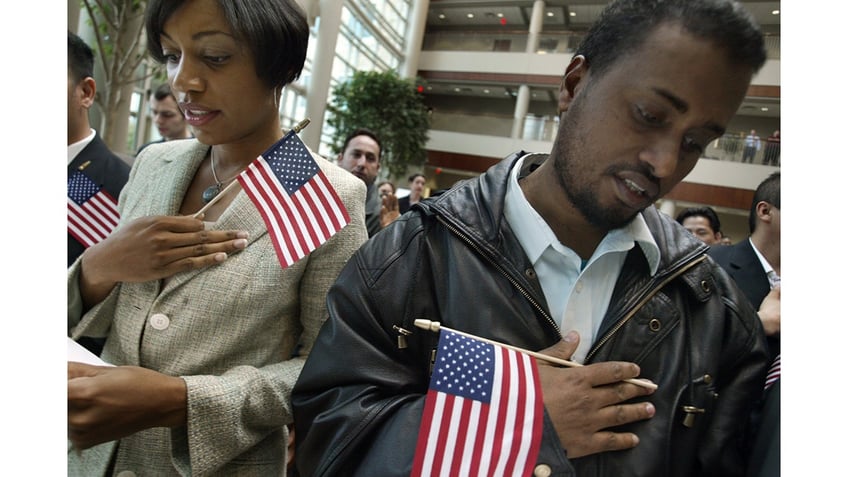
(198,315)
(752,145)
(755,266)
(360,155)
(565,253)
(702,222)
(86,150)
(167,117)
(771,156)
(386,188)
(416,192)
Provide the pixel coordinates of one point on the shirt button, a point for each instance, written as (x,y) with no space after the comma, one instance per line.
(159,321)
(542,470)
(578,287)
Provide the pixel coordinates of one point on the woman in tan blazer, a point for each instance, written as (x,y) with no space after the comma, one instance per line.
(207,330)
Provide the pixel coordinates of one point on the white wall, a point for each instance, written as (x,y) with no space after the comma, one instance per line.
(537,64)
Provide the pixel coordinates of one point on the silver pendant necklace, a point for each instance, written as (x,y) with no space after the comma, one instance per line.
(210,192)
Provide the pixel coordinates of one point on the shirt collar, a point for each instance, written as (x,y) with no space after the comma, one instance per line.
(766,266)
(535,236)
(75,148)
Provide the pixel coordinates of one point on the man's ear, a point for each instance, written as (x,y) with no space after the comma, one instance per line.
(88,90)
(764,211)
(576,71)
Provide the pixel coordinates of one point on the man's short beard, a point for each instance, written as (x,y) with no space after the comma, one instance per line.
(583,195)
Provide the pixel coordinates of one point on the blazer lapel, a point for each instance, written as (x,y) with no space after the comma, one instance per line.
(748,273)
(241,214)
(175,183)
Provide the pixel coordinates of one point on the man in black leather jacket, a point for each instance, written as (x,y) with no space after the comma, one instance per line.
(635,117)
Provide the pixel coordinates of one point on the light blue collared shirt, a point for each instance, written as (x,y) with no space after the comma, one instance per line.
(578,294)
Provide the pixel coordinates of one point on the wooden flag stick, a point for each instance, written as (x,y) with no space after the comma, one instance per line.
(298,128)
(436,326)
(216,198)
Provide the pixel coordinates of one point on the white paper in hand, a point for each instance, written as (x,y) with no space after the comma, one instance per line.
(77,353)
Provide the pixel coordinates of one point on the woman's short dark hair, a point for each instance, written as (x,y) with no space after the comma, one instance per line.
(417,174)
(275,31)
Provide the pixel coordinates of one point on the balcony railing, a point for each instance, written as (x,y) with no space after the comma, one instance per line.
(736,148)
(730,147)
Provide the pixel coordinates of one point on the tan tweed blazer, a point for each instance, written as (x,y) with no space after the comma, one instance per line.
(229,330)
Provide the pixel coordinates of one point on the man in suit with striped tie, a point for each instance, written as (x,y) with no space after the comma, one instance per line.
(87,153)
(755,265)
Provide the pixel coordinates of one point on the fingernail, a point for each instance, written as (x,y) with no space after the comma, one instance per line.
(241,234)
(570,337)
(635,440)
(220,257)
(650,409)
(240,243)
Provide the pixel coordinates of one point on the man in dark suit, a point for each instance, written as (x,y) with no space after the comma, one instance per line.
(755,266)
(755,263)
(86,150)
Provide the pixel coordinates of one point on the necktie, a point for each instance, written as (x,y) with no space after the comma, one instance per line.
(773,278)
(773,373)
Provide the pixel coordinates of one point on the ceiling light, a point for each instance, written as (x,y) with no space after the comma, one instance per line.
(470,15)
(573,14)
(500,15)
(442,16)
(775,12)
(764,109)
(486,91)
(550,14)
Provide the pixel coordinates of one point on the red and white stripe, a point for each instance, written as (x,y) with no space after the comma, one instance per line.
(299,223)
(94,220)
(466,437)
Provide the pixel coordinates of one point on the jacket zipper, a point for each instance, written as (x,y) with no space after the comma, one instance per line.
(642,301)
(503,272)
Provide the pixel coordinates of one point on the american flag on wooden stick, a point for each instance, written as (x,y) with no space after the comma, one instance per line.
(92,212)
(297,202)
(483,412)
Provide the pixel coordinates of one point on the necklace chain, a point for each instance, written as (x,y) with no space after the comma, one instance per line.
(215,176)
(210,192)
(212,163)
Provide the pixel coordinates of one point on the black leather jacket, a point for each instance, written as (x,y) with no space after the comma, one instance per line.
(453,259)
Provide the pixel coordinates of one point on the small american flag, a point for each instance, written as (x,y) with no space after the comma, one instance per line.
(92,212)
(483,412)
(297,202)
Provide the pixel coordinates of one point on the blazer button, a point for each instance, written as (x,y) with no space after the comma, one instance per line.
(542,470)
(160,321)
